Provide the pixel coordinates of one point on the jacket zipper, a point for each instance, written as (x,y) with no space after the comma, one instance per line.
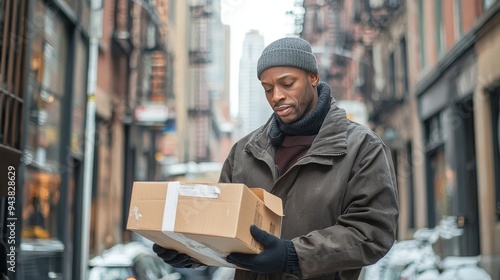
(322,155)
(327,155)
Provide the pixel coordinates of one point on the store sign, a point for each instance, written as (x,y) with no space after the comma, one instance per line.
(151,114)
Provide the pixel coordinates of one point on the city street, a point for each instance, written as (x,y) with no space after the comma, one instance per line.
(384,125)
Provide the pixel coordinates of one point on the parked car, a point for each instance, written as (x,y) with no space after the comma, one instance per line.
(131,261)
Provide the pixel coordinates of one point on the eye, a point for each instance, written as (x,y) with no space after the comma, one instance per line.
(288,84)
(268,90)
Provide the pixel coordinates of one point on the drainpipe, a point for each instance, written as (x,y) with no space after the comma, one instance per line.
(95,32)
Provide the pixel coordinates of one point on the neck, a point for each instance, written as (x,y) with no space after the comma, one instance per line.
(309,124)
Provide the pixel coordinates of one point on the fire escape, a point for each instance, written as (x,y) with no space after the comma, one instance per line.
(328,31)
(199,102)
(375,16)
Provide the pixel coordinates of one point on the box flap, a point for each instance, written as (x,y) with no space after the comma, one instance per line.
(271,201)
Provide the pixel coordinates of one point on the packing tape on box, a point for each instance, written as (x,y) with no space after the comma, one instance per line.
(175,190)
(199,191)
(170,211)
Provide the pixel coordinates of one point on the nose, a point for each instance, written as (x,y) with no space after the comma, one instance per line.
(277,95)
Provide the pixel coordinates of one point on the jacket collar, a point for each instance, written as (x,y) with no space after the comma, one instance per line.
(332,137)
(330,141)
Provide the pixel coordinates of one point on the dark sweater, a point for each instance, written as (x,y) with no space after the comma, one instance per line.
(290,150)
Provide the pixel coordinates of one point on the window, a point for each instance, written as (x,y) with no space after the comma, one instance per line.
(392,76)
(438,187)
(488,3)
(433,132)
(151,35)
(43,148)
(397,72)
(457,18)
(172,11)
(421,33)
(436,179)
(438,17)
(404,66)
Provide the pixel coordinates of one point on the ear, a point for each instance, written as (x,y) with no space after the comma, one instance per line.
(314,78)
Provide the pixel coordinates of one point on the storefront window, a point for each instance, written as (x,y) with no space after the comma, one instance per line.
(437,184)
(42,192)
(43,143)
(43,148)
(442,178)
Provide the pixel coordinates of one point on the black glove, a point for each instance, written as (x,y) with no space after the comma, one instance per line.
(278,256)
(173,258)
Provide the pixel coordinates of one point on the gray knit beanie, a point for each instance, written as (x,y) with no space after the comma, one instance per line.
(289,51)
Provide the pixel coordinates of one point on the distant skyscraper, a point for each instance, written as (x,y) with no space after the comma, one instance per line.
(253,109)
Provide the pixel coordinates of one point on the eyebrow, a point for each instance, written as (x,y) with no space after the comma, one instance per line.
(280,78)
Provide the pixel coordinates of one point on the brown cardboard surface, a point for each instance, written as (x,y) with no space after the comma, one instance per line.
(208,226)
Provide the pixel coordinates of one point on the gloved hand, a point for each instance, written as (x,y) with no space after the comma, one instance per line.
(173,258)
(278,256)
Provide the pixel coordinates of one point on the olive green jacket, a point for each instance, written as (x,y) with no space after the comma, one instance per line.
(340,199)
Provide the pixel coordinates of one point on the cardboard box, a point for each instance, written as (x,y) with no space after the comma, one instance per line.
(205,221)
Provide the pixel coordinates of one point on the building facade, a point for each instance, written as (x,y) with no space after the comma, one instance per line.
(426,72)
(44,77)
(390,98)
(337,40)
(54,145)
(453,87)
(200,44)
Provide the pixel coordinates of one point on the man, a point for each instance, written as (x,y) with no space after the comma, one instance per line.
(335,178)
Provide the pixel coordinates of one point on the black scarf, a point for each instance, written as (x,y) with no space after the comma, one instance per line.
(308,125)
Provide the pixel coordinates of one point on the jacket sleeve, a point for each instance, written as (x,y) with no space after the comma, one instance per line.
(227,167)
(366,229)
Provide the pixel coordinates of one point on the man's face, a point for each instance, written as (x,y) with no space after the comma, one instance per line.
(290,91)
